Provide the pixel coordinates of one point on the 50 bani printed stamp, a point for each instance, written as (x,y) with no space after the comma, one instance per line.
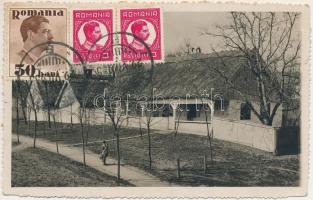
(30,31)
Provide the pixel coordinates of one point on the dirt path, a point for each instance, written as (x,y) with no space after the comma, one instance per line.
(134,175)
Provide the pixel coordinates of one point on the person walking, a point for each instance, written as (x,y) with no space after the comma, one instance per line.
(105,152)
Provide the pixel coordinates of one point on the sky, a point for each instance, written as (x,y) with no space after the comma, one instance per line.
(182,26)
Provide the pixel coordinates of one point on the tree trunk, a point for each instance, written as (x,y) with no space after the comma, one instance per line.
(178,168)
(35,132)
(205,166)
(211,149)
(71,117)
(209,135)
(22,104)
(83,139)
(17,121)
(103,127)
(118,156)
(24,115)
(29,124)
(265,113)
(48,104)
(140,128)
(149,146)
(88,128)
(56,134)
(49,120)
(113,142)
(44,128)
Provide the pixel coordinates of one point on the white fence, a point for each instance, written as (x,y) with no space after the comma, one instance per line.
(242,132)
(250,134)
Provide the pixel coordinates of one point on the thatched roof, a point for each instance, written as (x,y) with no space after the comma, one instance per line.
(49,91)
(82,90)
(189,74)
(192,74)
(45,93)
(177,77)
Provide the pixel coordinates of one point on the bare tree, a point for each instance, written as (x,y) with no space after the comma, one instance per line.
(84,89)
(71,115)
(15,93)
(113,109)
(270,45)
(55,112)
(19,91)
(176,150)
(148,108)
(147,115)
(29,111)
(51,91)
(81,116)
(87,90)
(47,96)
(35,103)
(131,80)
(208,120)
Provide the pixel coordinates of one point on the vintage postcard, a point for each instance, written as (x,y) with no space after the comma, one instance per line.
(193,99)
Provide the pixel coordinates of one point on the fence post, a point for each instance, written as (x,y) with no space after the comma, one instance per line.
(178,168)
(275,142)
(205,164)
(44,127)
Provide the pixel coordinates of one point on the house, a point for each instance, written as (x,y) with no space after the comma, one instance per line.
(188,91)
(190,76)
(76,100)
(180,82)
(42,98)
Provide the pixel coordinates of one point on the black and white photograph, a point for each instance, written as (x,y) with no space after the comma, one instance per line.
(224,108)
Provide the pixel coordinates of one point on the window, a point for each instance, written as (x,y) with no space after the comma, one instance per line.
(245,111)
(198,112)
(167,111)
(192,112)
(221,104)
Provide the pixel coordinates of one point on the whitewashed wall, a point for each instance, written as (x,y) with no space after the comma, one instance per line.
(241,132)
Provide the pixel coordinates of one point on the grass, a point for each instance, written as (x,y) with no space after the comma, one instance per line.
(15,143)
(71,135)
(40,168)
(234,164)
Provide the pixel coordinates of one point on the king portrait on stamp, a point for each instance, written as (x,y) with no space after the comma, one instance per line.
(140,29)
(92,33)
(145,26)
(35,30)
(31,32)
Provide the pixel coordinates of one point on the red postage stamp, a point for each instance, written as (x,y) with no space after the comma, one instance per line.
(140,32)
(92,35)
